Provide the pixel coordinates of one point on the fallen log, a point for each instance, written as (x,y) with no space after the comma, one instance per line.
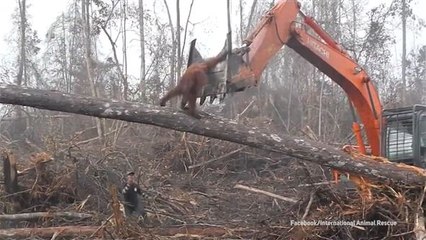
(202,231)
(215,127)
(196,230)
(26,216)
(47,232)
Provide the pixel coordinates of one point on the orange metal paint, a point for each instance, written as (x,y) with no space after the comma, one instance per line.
(278,27)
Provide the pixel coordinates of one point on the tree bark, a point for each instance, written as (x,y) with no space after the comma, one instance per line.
(252,189)
(47,232)
(10,173)
(186,28)
(26,216)
(20,126)
(200,230)
(142,84)
(116,61)
(404,52)
(171,231)
(125,82)
(22,56)
(173,54)
(178,38)
(241,21)
(215,127)
(248,28)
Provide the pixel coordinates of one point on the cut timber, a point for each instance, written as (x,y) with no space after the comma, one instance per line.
(47,232)
(25,216)
(118,218)
(251,189)
(215,127)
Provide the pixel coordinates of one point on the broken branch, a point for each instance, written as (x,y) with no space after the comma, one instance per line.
(216,159)
(25,216)
(251,189)
(419,219)
(47,232)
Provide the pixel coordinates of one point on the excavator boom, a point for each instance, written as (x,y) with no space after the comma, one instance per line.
(279,27)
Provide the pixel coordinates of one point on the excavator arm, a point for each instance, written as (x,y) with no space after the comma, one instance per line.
(353,79)
(285,24)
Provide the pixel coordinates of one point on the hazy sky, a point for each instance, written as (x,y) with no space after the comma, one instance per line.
(211,24)
(43,12)
(210,17)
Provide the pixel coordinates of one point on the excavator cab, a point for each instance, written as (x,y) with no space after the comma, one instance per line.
(404,135)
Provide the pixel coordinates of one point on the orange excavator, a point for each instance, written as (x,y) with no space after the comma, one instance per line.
(396,134)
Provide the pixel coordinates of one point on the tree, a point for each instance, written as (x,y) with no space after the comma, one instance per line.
(404,50)
(416,75)
(22,73)
(142,84)
(85,6)
(124,37)
(173,55)
(178,38)
(59,56)
(403,10)
(27,71)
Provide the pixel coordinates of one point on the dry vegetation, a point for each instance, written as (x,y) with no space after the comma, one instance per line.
(201,188)
(191,186)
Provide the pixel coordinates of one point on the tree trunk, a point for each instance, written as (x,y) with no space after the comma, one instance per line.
(253,7)
(354,26)
(19,126)
(173,54)
(142,83)
(177,231)
(33,215)
(86,19)
(48,232)
(241,21)
(178,43)
(215,127)
(10,178)
(22,56)
(404,53)
(125,82)
(114,51)
(10,173)
(186,28)
(320,106)
(65,67)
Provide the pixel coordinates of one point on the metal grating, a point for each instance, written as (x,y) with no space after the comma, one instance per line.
(399,136)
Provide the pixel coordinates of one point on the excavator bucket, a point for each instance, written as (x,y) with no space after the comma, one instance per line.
(218,85)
